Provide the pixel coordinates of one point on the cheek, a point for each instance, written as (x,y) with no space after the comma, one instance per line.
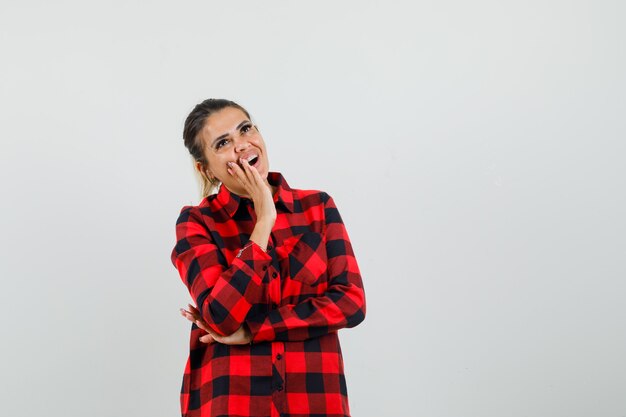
(215,165)
(260,144)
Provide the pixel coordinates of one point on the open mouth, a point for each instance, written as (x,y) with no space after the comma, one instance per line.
(252,161)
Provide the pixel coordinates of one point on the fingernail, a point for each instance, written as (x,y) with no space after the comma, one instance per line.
(229,163)
(230,171)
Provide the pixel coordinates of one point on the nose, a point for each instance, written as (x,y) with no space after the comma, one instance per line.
(241,144)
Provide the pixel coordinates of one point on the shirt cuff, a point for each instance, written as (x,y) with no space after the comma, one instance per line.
(261,332)
(254,258)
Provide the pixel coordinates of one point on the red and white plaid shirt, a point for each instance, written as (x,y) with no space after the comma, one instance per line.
(293,298)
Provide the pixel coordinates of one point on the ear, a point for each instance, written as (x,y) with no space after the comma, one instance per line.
(203,170)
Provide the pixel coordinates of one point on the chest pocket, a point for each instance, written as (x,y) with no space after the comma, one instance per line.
(306,256)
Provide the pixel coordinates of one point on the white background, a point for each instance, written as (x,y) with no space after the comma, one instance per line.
(475,150)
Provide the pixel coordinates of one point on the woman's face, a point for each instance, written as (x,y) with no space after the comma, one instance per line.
(227,136)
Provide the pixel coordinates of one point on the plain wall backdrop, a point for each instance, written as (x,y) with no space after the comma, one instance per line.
(476,151)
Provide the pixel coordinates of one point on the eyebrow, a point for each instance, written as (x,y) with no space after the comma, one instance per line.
(225,135)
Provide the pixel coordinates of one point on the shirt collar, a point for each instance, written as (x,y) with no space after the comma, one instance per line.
(227,202)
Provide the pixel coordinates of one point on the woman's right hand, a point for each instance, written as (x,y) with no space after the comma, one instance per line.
(241,336)
(258,190)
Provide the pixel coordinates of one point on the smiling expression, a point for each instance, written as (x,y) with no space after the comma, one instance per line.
(227,136)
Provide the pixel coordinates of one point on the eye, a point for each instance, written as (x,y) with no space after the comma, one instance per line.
(220,143)
(246,128)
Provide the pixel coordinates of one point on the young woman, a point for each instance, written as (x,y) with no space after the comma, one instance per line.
(273,276)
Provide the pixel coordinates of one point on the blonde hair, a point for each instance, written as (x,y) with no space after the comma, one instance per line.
(207,187)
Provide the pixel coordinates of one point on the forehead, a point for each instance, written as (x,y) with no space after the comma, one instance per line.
(222,122)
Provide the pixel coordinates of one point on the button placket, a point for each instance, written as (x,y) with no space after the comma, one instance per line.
(274,286)
(279,365)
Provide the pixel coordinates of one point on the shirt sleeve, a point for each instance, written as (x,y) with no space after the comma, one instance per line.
(341,306)
(223,293)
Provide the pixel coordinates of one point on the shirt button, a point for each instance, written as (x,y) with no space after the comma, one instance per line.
(274,274)
(269,248)
(279,388)
(265,267)
(279,356)
(274,305)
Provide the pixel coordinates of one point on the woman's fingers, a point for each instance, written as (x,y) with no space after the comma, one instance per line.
(248,176)
(213,336)
(193,315)
(255,178)
(201,324)
(186,314)
(240,337)
(194,311)
(258,180)
(240,175)
(195,320)
(249,170)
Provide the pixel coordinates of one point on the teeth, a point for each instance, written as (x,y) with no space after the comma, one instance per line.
(250,158)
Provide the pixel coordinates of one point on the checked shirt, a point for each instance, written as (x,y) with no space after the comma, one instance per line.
(293,298)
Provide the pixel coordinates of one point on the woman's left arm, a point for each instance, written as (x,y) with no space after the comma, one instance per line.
(342,305)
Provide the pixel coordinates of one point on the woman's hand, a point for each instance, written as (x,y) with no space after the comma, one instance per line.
(241,337)
(193,315)
(258,190)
